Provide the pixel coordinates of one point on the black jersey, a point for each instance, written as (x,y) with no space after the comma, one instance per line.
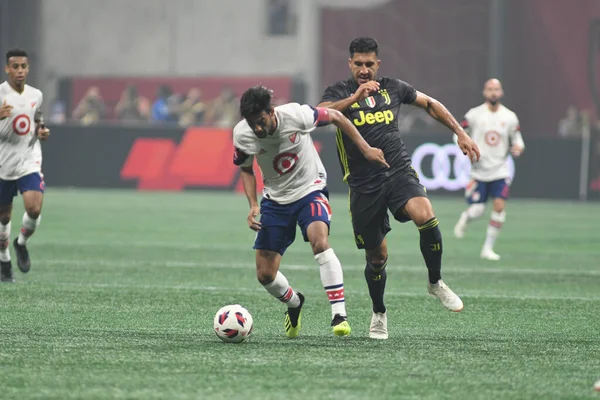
(376,118)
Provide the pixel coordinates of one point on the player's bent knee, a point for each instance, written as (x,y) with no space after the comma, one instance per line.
(498,216)
(419,209)
(476,210)
(33,212)
(4,218)
(265,277)
(319,245)
(375,267)
(267,265)
(376,257)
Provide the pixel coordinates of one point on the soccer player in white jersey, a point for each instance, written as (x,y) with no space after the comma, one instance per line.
(295,194)
(496,131)
(21,129)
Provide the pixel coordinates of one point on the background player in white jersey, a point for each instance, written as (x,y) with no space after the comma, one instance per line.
(295,194)
(21,128)
(496,131)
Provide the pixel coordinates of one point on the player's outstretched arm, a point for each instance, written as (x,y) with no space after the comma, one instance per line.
(363,91)
(249,183)
(372,154)
(440,113)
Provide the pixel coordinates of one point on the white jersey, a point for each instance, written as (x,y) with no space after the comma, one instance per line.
(494,133)
(290,165)
(20,149)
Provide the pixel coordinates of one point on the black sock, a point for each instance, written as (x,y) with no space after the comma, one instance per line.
(376,276)
(431,248)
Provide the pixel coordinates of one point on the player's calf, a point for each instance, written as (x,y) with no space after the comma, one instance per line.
(376,277)
(332,278)
(431,248)
(497,219)
(473,212)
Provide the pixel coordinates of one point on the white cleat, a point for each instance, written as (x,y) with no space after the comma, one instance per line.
(488,254)
(378,329)
(459,229)
(461,225)
(448,298)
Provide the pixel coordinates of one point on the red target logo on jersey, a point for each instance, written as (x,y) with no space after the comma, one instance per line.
(492,138)
(285,163)
(21,124)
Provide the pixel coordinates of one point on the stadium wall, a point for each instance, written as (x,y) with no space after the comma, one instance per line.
(170,158)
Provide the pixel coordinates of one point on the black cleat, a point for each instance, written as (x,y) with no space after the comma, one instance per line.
(292,319)
(6,272)
(340,325)
(23,261)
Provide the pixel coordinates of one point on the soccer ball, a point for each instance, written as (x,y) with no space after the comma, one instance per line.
(233,323)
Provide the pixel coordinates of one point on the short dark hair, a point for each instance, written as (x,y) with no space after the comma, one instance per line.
(15,53)
(364,45)
(255,100)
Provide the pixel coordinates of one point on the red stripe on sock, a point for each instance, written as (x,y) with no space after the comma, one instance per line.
(288,295)
(336,294)
(27,232)
(496,224)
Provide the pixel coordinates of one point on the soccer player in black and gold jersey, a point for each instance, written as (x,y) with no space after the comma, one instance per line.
(373,105)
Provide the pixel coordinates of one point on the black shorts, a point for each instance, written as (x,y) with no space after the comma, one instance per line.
(369,211)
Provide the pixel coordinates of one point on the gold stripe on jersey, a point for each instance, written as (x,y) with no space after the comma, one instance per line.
(342,153)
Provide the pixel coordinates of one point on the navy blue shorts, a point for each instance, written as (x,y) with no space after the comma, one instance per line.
(478,192)
(8,189)
(279,221)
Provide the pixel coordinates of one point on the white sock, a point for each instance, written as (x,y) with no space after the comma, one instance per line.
(493,229)
(332,279)
(282,291)
(4,242)
(29,226)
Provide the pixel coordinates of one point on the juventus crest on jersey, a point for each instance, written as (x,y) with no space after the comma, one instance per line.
(290,165)
(20,149)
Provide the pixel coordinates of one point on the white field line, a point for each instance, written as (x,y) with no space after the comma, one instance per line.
(472,295)
(284,266)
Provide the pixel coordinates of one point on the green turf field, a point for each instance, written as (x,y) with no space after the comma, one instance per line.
(120,300)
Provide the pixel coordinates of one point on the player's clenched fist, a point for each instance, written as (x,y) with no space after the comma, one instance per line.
(5,110)
(366,89)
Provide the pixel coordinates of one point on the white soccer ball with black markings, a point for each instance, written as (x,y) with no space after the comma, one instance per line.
(233,323)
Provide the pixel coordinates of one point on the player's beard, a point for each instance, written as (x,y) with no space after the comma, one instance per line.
(493,101)
(363,78)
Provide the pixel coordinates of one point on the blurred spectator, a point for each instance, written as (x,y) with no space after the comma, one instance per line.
(282,19)
(91,108)
(192,110)
(58,112)
(571,124)
(416,120)
(132,107)
(223,112)
(164,107)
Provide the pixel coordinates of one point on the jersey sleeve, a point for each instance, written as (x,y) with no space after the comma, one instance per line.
(38,109)
(516,138)
(332,93)
(313,117)
(468,120)
(242,156)
(406,93)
